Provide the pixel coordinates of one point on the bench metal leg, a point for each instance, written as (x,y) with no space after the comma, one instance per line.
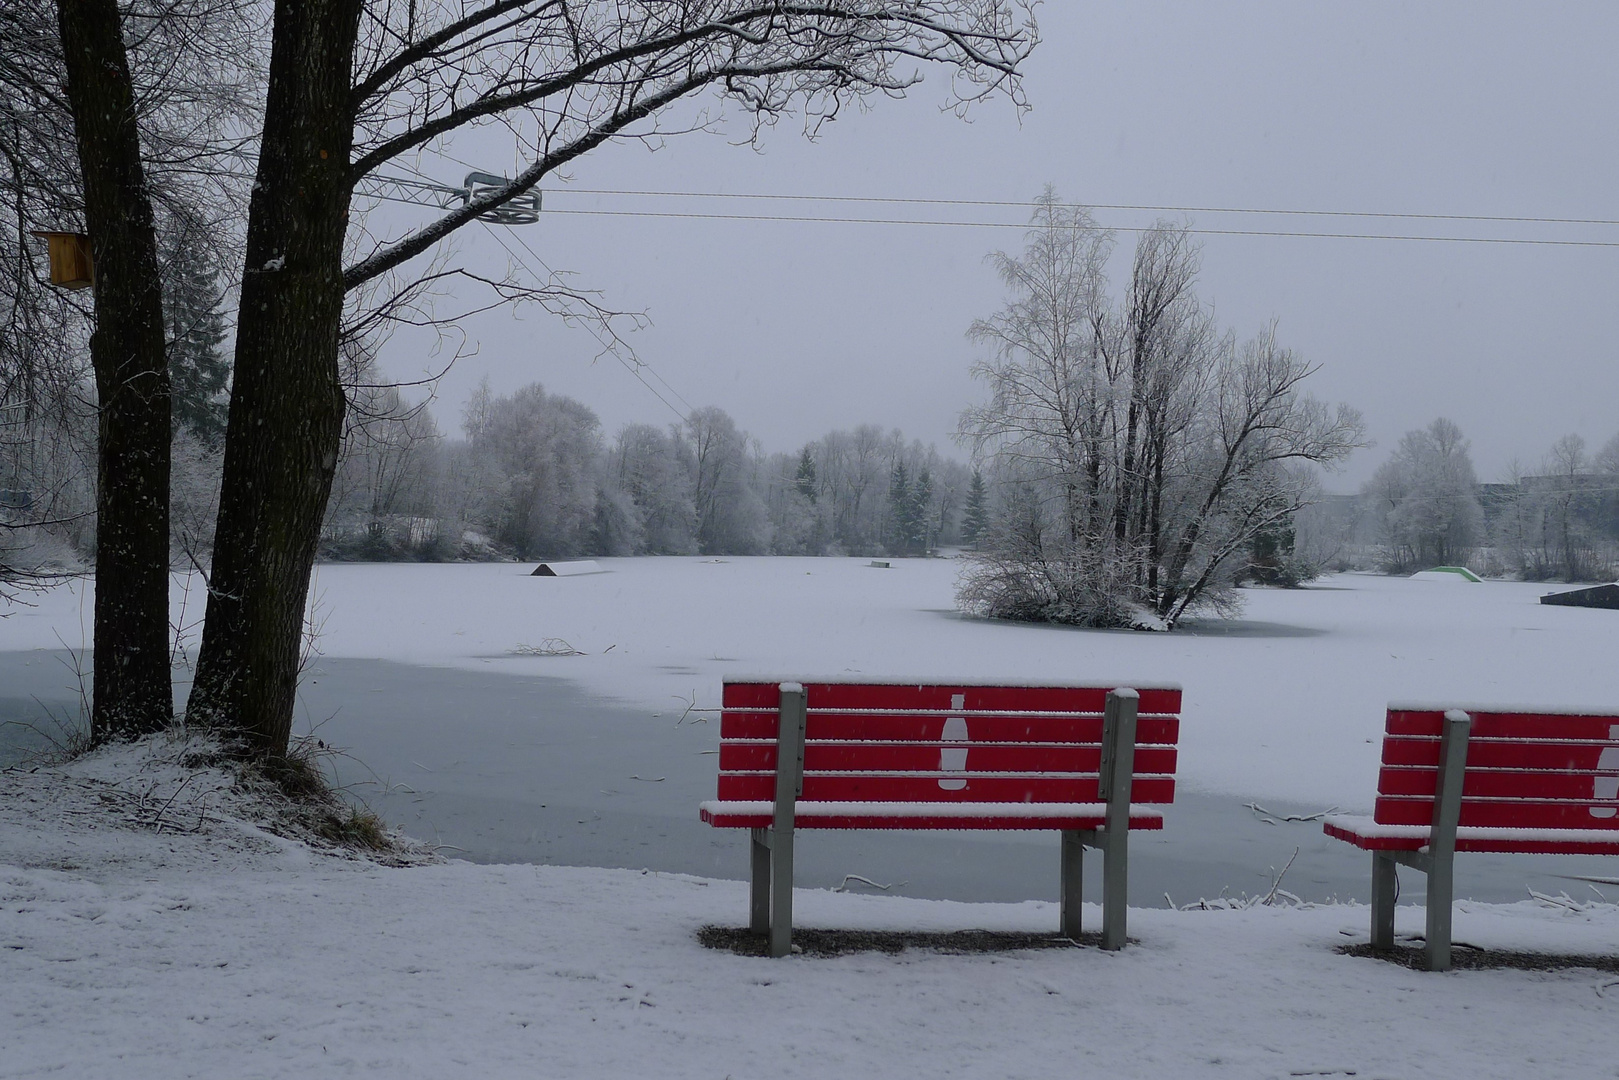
(1442,839)
(1440,891)
(793,716)
(1385,884)
(781,892)
(759,895)
(1115,888)
(1073,876)
(1114,783)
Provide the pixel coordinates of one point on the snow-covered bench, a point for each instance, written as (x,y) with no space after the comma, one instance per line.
(1085,761)
(1483,778)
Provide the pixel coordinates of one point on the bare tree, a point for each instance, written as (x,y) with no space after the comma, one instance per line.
(1139,451)
(383,503)
(648,466)
(358,86)
(142,91)
(132,687)
(1426,497)
(731,518)
(1566,507)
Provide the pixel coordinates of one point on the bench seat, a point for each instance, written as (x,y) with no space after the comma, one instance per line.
(1090,763)
(952,815)
(1369,835)
(1505,778)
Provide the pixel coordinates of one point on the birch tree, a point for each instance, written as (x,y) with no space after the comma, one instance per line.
(1427,498)
(1139,451)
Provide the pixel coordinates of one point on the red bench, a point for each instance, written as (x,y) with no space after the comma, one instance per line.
(1482,779)
(885,756)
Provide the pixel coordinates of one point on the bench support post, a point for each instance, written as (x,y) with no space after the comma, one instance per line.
(1385,884)
(759,892)
(1118,770)
(1447,812)
(789,786)
(1073,878)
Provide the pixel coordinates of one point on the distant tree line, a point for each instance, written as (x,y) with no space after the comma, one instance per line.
(533,475)
(1425,507)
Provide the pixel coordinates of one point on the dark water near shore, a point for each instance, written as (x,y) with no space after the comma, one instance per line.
(503,768)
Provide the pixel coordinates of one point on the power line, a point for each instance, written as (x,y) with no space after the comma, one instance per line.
(429,188)
(1092,206)
(640,364)
(631,368)
(1519,241)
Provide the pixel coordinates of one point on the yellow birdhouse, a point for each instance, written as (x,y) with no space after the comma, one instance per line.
(71,264)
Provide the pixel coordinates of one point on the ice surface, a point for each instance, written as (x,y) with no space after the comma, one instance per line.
(1287,702)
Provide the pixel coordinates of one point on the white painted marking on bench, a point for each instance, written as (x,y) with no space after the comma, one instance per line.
(1607,787)
(953,759)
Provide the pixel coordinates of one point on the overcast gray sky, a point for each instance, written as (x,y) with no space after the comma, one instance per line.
(795,328)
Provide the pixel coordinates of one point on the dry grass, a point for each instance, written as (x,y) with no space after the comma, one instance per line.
(826,943)
(1465,957)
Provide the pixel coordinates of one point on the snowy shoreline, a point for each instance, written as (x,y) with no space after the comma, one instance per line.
(138,951)
(148,929)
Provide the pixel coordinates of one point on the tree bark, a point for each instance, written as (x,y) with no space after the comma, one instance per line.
(133,694)
(286,410)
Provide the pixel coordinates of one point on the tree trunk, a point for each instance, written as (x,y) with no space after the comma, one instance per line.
(133,695)
(286,410)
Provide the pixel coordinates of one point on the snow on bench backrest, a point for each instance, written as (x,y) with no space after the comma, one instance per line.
(870,742)
(1526,769)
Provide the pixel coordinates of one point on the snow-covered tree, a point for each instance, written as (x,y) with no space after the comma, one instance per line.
(1140,450)
(975,517)
(544,449)
(731,516)
(646,465)
(1426,498)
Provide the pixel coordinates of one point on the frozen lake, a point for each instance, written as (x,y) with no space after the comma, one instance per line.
(593,759)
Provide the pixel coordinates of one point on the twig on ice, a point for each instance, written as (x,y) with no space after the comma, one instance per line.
(691,707)
(1317,816)
(843,886)
(1270,897)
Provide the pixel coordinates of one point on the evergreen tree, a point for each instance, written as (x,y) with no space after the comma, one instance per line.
(900,509)
(199,373)
(975,517)
(921,500)
(805,480)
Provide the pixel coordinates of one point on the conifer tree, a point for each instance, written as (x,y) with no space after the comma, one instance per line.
(921,499)
(976,515)
(805,480)
(199,373)
(900,509)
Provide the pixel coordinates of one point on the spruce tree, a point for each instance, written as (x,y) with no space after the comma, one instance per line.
(921,500)
(975,517)
(900,509)
(199,373)
(805,480)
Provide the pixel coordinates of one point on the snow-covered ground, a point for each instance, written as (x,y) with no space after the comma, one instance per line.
(1285,703)
(132,951)
(144,935)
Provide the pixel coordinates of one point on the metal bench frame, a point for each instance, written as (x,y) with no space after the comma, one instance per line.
(1438,861)
(1430,847)
(771,848)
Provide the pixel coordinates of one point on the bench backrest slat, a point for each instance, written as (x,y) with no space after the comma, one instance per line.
(1524,770)
(907,697)
(1085,727)
(935,743)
